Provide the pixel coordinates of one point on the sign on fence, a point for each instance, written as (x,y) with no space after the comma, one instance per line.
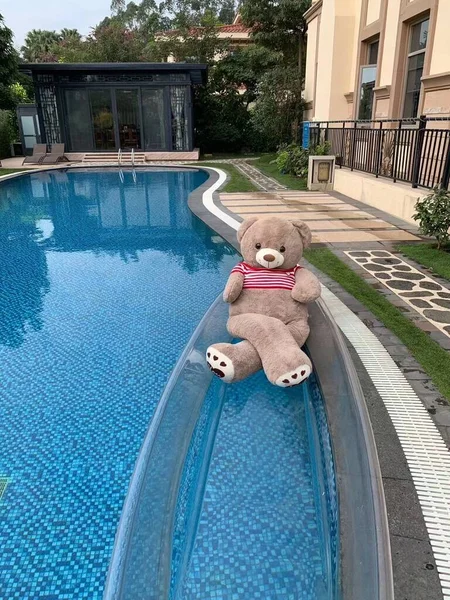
(305,137)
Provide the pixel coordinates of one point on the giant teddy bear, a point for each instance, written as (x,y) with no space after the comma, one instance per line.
(268,293)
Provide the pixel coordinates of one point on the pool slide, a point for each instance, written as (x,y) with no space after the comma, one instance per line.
(248,491)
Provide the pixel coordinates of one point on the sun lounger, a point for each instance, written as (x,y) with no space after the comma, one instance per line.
(55,155)
(39,151)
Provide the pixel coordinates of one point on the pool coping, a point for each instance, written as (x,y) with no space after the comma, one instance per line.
(201,201)
(407,560)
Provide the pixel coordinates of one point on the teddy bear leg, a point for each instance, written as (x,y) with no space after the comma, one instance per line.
(284,363)
(300,331)
(233,362)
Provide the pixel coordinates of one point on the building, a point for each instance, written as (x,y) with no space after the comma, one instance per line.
(237,36)
(101,107)
(377,88)
(377,59)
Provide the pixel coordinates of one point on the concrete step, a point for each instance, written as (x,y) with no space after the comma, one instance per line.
(112,157)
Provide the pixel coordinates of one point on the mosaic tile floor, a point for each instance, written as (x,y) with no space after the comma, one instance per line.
(258,536)
(329,218)
(90,330)
(424,294)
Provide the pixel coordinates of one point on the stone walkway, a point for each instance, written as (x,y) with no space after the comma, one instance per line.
(424,294)
(331,219)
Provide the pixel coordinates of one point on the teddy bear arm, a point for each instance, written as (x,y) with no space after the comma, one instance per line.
(307,287)
(233,288)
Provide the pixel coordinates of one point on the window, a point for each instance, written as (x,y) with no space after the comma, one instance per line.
(414,70)
(367,82)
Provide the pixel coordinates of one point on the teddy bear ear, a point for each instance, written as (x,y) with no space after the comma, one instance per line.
(245,226)
(304,231)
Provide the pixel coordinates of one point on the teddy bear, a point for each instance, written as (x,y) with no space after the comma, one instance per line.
(268,295)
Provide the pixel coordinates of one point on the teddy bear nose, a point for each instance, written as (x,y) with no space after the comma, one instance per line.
(268,257)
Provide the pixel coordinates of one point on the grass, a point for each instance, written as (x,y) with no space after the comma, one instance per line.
(434,360)
(429,256)
(9,171)
(228,155)
(237,182)
(290,181)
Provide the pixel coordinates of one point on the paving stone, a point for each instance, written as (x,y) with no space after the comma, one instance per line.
(380,252)
(360,254)
(386,261)
(421,303)
(416,375)
(374,267)
(443,303)
(403,268)
(401,284)
(429,285)
(384,275)
(415,294)
(403,507)
(410,276)
(440,316)
(444,294)
(413,579)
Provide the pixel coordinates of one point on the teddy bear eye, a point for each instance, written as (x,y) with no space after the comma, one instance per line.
(282,249)
(257,246)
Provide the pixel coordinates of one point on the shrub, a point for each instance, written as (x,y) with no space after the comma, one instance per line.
(322,149)
(293,160)
(6,133)
(433,214)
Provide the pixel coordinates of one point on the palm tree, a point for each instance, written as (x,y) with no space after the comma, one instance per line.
(70,35)
(38,44)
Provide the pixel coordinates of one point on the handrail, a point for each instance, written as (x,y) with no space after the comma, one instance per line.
(119,156)
(132,156)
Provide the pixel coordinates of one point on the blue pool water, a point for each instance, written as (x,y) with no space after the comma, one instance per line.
(102,282)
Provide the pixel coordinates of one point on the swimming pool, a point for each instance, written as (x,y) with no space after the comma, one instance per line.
(103,280)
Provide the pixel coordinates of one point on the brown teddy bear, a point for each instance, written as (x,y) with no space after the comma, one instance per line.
(268,293)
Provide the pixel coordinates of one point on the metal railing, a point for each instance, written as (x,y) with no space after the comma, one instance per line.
(132,156)
(415,151)
(119,156)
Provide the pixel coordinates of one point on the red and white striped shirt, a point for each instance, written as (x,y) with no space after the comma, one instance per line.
(259,278)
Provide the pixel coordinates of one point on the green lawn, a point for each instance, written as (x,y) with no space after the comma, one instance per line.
(434,360)
(264,164)
(429,256)
(9,171)
(237,182)
(228,155)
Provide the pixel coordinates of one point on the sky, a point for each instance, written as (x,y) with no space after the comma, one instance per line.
(23,15)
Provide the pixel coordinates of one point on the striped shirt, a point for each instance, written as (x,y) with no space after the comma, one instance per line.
(259,278)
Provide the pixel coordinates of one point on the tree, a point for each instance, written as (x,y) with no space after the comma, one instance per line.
(279,107)
(39,44)
(242,71)
(114,43)
(279,26)
(8,65)
(227,12)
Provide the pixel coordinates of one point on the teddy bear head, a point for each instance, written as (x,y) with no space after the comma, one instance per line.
(273,243)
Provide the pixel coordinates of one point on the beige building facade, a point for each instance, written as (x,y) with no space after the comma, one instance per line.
(377,59)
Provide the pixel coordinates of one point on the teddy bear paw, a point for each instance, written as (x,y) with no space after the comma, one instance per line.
(220,364)
(294,377)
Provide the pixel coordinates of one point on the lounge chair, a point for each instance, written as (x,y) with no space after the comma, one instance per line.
(39,151)
(55,155)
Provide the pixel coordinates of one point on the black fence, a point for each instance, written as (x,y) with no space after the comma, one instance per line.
(415,151)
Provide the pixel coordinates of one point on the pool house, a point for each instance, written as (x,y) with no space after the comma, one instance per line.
(104,107)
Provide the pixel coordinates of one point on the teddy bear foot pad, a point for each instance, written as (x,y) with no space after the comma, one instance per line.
(220,364)
(294,377)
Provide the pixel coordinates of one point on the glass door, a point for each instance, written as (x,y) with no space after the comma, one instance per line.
(153,111)
(28,127)
(128,117)
(102,119)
